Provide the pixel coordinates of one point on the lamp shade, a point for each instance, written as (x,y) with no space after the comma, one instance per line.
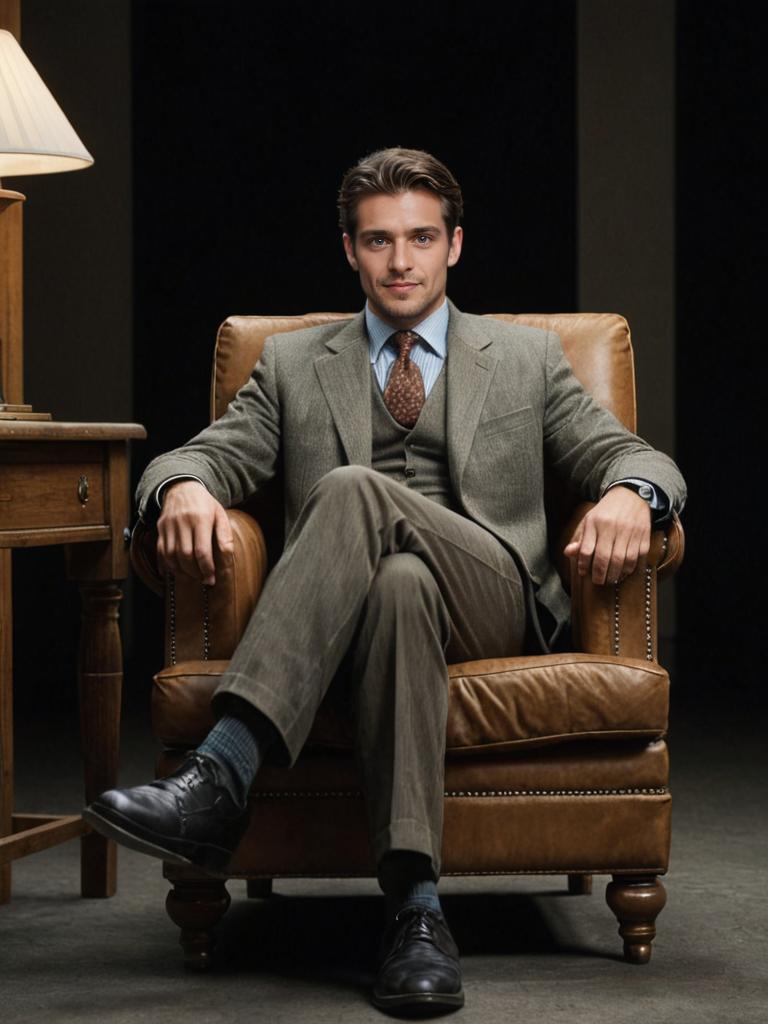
(35,136)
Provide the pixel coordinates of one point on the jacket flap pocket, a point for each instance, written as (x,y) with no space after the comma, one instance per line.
(507,421)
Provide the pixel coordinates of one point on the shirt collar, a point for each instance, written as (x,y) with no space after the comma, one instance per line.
(433,329)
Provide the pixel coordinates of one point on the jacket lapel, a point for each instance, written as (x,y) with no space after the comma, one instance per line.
(345,377)
(470,372)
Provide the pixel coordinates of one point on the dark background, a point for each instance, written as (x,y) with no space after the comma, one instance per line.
(242,119)
(721,260)
(250,148)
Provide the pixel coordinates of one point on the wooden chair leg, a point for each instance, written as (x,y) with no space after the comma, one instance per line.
(580,885)
(259,888)
(636,900)
(196,903)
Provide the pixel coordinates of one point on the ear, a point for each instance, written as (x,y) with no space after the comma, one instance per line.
(455,249)
(349,249)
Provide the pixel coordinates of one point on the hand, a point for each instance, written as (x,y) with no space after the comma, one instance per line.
(612,536)
(190,519)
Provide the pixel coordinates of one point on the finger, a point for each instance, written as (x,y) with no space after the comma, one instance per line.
(586,547)
(631,557)
(223,531)
(572,546)
(203,552)
(638,546)
(645,542)
(166,553)
(622,536)
(616,568)
(601,560)
(185,552)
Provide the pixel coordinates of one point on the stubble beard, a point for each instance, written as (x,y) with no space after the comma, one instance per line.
(409,309)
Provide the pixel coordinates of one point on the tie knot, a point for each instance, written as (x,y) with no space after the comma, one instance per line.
(405,340)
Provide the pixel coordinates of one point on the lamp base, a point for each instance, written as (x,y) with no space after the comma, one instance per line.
(21,412)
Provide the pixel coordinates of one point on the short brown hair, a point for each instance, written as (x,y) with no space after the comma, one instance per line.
(396,170)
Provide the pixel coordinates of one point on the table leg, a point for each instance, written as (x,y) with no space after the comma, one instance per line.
(100,671)
(6,716)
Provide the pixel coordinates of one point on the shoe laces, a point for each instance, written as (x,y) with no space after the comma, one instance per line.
(195,775)
(418,922)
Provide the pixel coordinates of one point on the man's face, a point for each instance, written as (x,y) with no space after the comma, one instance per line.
(402,252)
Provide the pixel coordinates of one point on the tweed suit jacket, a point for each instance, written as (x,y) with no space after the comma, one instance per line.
(513,406)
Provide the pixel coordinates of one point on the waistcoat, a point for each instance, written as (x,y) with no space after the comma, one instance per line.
(415,457)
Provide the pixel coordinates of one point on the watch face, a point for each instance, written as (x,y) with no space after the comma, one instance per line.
(645,491)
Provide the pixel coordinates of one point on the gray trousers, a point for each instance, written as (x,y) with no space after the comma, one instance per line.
(387,586)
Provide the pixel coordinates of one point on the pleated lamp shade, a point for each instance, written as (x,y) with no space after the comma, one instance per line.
(35,136)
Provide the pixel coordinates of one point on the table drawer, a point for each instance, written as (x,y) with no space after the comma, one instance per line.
(50,494)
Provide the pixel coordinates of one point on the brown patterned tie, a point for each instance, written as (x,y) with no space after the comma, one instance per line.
(404,393)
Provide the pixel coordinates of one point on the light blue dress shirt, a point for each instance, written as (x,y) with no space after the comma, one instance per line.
(428,354)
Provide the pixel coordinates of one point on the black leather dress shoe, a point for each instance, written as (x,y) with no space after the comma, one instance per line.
(190,817)
(419,970)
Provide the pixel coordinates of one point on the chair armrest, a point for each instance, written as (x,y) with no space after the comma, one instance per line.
(144,557)
(621,619)
(207,622)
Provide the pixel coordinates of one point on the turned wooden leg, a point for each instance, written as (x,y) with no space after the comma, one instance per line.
(100,669)
(6,716)
(636,901)
(196,904)
(259,888)
(580,885)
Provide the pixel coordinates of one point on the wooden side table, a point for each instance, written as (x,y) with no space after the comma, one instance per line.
(67,484)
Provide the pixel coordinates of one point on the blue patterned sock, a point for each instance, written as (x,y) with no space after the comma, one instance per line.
(407,879)
(232,743)
(422,894)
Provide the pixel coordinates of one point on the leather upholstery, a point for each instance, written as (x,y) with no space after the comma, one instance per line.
(229,603)
(555,764)
(495,706)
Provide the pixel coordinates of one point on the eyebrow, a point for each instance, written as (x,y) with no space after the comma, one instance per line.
(388,234)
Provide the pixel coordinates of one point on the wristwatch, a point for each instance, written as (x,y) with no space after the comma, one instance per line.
(656,498)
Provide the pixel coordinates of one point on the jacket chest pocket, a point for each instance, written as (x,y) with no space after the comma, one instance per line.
(505,423)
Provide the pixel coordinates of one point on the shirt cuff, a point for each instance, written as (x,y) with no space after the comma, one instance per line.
(658,503)
(157,497)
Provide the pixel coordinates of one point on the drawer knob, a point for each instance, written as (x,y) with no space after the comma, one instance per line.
(82,489)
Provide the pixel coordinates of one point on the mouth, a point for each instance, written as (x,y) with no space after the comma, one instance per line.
(401,287)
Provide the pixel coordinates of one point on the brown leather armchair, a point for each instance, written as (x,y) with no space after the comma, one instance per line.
(556,764)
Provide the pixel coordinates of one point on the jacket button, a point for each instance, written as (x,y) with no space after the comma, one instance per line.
(410,472)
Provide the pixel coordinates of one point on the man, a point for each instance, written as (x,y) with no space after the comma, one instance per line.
(413,441)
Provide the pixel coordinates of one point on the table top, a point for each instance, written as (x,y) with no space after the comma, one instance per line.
(51,430)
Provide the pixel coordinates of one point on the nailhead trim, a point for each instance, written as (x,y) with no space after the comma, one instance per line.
(648,620)
(648,609)
(507,872)
(659,791)
(581,870)
(170,581)
(206,624)
(356,794)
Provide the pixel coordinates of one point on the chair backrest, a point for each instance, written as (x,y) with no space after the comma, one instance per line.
(597,345)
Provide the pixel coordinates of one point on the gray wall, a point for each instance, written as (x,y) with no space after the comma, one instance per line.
(78,226)
(626,126)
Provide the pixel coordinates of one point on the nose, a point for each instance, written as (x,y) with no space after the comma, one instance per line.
(400,256)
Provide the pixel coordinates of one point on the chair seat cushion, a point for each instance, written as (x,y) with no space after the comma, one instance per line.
(494,706)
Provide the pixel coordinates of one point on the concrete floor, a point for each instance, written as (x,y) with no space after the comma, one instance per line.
(530,952)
